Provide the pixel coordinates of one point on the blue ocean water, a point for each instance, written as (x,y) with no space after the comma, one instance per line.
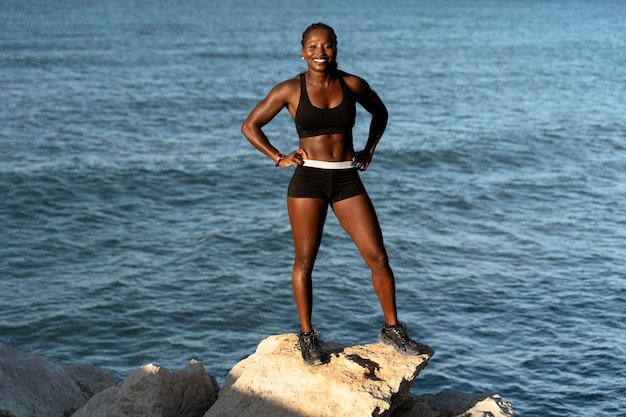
(137,225)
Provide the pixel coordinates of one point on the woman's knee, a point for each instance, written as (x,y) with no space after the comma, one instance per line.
(378,262)
(304,264)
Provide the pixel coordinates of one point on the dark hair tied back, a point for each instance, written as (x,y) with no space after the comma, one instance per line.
(331,32)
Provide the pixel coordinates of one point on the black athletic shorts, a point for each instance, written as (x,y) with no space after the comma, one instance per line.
(330,184)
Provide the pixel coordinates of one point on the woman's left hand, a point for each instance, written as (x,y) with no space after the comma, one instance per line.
(362,159)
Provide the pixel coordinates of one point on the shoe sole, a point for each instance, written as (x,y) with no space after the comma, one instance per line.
(314,363)
(384,340)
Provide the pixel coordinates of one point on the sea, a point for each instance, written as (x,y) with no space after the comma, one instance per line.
(137,224)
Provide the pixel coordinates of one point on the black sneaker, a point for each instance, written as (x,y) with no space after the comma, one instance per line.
(312,352)
(397,337)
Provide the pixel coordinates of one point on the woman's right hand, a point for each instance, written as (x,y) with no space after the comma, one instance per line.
(294,159)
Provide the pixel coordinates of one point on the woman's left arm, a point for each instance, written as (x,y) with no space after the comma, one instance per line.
(371,102)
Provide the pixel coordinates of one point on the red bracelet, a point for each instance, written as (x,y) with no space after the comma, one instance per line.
(278,158)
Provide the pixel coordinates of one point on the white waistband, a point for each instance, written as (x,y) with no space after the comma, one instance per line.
(312,163)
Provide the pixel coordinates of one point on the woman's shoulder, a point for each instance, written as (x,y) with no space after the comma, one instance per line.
(287,88)
(355,83)
(288,85)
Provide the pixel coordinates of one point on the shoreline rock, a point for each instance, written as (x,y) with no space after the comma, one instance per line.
(451,403)
(362,380)
(32,386)
(154,391)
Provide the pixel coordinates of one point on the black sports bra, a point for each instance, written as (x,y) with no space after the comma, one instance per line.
(314,121)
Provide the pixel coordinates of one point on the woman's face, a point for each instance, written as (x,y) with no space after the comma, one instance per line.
(319,51)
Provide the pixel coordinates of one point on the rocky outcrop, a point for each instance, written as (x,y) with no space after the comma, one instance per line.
(31,386)
(152,391)
(365,380)
(452,403)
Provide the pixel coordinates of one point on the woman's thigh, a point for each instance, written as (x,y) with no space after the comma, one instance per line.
(307,217)
(358,218)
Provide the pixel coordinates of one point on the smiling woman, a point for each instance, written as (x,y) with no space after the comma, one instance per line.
(322,102)
(326,53)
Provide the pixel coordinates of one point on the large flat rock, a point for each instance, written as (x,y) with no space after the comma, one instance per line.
(363,380)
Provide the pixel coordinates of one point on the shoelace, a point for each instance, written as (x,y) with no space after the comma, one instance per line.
(311,341)
(401,332)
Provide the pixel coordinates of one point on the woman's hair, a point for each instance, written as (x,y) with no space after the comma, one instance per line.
(331,32)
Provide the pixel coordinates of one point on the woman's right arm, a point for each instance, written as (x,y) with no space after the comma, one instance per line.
(279,97)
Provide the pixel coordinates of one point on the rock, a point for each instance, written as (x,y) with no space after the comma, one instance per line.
(154,391)
(451,403)
(493,405)
(364,380)
(89,379)
(31,386)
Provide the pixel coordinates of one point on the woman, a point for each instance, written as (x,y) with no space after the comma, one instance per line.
(322,102)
